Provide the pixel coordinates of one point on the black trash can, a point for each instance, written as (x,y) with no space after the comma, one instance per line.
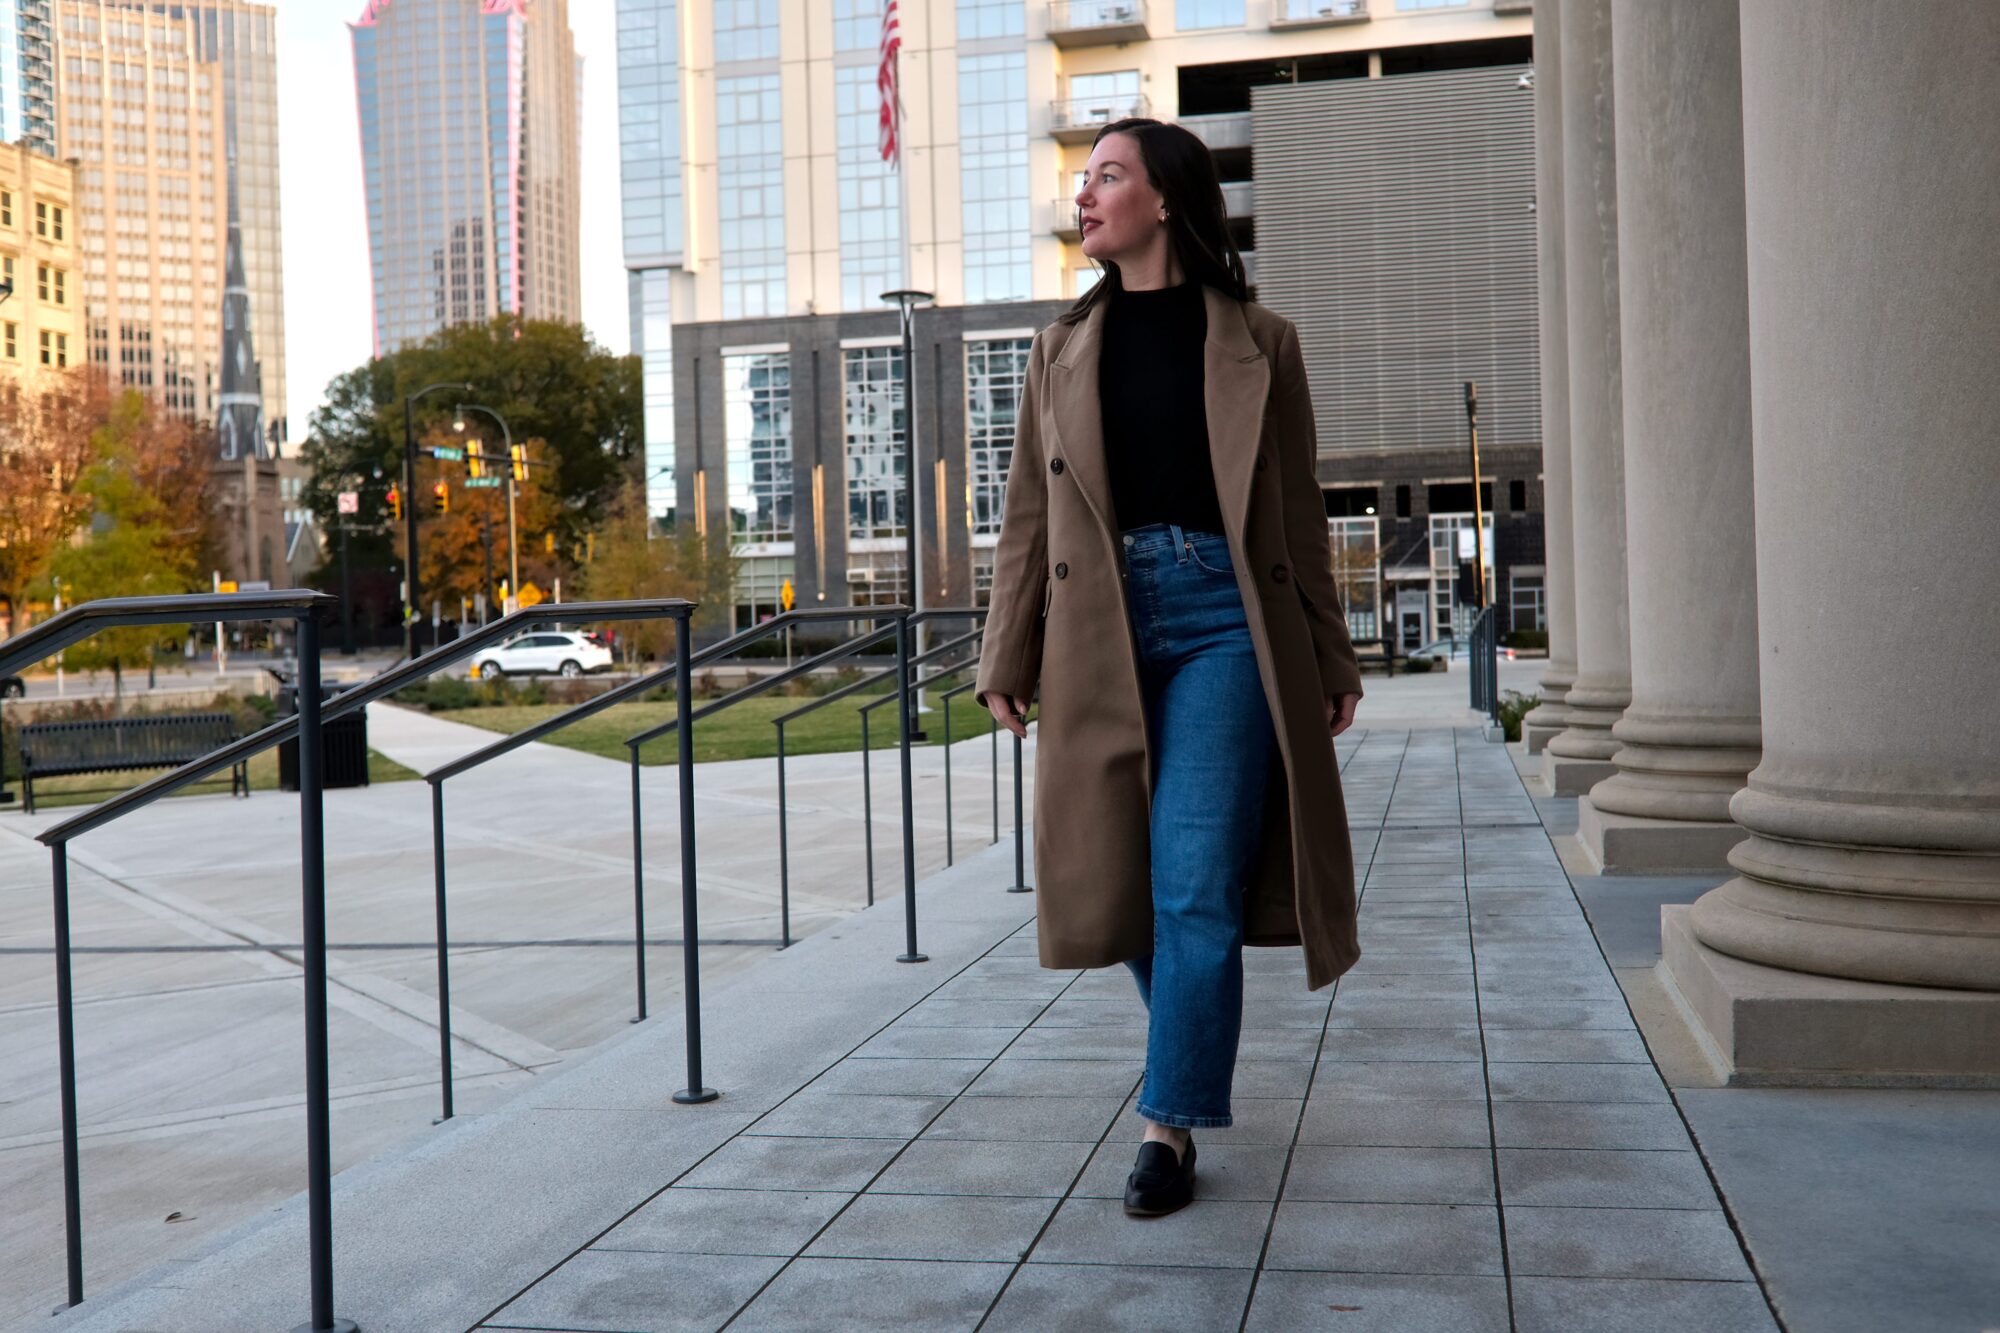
(343,747)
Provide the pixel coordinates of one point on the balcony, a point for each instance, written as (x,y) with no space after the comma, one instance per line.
(1239,199)
(1063,220)
(1507,8)
(1230,129)
(1291,15)
(1078,119)
(1096,22)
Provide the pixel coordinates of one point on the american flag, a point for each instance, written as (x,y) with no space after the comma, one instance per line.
(885,82)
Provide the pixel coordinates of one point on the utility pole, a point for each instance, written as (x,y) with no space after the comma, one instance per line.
(413,597)
(1478,510)
(906,300)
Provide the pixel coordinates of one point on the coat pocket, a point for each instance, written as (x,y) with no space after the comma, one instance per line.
(1309,605)
(1048,595)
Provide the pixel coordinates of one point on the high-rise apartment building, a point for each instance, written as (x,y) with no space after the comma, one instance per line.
(471,141)
(761,227)
(38,263)
(28,74)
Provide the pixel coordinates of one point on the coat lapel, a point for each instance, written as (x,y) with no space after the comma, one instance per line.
(1236,381)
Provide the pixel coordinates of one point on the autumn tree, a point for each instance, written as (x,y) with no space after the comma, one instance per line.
(633,562)
(45,447)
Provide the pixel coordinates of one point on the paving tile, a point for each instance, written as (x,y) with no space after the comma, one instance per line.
(1390,1175)
(1272,1078)
(1623,1242)
(1384,1012)
(939,1078)
(1045,1297)
(1235,1171)
(936,1043)
(1386,1238)
(1394,1123)
(1277,1043)
(1383,963)
(1420,1080)
(1300,1011)
(1290,1301)
(1042,1169)
(979,1228)
(1014,987)
(1208,1233)
(784,1163)
(1638,1125)
(817,1295)
(1497,1014)
(1566,1046)
(1576,1083)
(1039,1043)
(850,1115)
(709,1221)
(636,1292)
(1025,1119)
(945,1012)
(1595,985)
(1401,1044)
(1012,1077)
(1410,985)
(1068,1013)
(1611,1305)
(1604,1178)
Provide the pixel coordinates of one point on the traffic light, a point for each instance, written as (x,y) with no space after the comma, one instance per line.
(549,542)
(520,456)
(475,464)
(441,499)
(395,504)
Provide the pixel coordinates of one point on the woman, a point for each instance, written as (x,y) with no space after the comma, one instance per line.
(1163,574)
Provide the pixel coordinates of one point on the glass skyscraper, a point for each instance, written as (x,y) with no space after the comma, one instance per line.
(470,141)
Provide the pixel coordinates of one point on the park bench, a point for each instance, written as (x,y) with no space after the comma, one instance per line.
(111,745)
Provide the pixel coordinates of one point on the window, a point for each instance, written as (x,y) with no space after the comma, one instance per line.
(993,175)
(751,192)
(56,223)
(6,208)
(42,281)
(62,349)
(1208,14)
(47,348)
(13,332)
(875,426)
(1517,496)
(1527,603)
(41,218)
(996,372)
(757,421)
(62,290)
(871,249)
(1432,4)
(991,18)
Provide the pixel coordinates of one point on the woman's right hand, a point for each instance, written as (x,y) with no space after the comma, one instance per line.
(1010,713)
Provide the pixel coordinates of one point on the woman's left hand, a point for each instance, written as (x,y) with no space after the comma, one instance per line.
(1340,712)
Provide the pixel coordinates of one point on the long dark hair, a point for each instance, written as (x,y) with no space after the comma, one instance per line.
(1179,166)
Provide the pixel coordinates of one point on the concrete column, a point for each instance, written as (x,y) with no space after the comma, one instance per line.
(1690,736)
(1549,717)
(1861,937)
(1581,754)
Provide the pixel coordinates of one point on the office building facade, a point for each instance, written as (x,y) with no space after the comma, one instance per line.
(762,226)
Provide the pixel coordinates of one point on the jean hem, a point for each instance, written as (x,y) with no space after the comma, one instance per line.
(1185,1121)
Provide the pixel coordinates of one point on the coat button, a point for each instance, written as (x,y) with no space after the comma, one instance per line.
(1062,570)
(1055,465)
(1278,573)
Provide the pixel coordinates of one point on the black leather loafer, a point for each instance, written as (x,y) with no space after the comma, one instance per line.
(1160,1183)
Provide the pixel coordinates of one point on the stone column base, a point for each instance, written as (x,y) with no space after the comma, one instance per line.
(1765,1026)
(1574,777)
(1636,845)
(1537,737)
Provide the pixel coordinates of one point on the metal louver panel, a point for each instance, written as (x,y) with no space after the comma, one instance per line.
(1395,228)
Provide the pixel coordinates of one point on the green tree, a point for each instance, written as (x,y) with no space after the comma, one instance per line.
(633,563)
(141,539)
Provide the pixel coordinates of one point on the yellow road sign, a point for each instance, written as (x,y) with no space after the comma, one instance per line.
(530,595)
(785,595)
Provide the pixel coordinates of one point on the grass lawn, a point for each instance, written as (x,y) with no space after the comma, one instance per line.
(741,731)
(90,788)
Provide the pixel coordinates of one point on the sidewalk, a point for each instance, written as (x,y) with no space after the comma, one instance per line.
(1468,1124)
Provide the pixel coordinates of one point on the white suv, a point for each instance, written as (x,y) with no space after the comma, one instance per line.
(561,651)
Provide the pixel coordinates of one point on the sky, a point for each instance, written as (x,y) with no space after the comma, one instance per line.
(325,217)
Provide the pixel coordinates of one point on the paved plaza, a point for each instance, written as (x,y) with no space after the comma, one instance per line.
(1470,1131)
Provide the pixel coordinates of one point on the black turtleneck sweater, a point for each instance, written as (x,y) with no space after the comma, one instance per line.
(1150,387)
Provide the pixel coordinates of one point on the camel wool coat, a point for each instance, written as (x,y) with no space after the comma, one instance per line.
(1057,619)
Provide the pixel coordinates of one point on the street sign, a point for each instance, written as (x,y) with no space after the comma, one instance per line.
(530,595)
(348,502)
(785,594)
(226,585)
(482,483)
(448,453)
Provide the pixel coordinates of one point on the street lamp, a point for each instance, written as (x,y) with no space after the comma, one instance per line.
(507,436)
(416,601)
(905,301)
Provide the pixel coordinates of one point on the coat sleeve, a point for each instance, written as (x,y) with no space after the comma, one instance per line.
(1010,655)
(1305,520)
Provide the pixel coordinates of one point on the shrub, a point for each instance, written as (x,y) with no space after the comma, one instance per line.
(1515,705)
(1527,638)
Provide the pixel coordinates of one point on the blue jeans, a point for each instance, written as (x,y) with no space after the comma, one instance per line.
(1211,739)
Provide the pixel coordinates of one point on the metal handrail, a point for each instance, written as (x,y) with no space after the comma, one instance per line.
(73,626)
(867,782)
(1483,661)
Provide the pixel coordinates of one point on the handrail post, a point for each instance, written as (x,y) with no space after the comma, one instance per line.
(638,888)
(694,1092)
(907,724)
(312,866)
(995,748)
(443,950)
(949,856)
(867,811)
(66,1059)
(1020,884)
(784,849)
